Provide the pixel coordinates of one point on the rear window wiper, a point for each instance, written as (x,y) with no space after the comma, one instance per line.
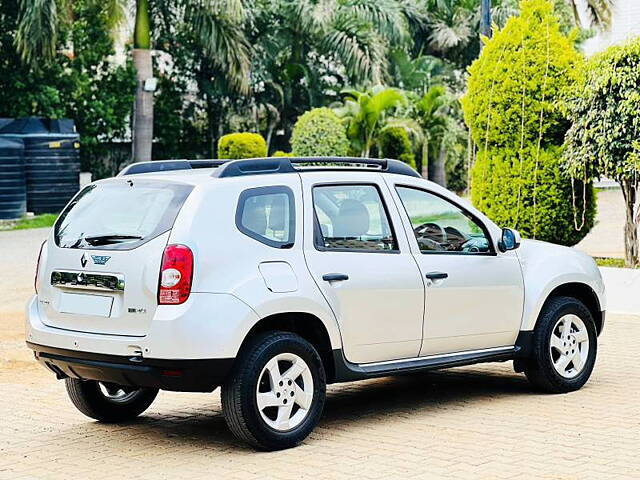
(107,239)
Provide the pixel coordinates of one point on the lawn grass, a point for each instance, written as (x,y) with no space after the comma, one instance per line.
(610,262)
(37,221)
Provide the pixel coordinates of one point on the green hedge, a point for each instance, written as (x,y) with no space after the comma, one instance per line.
(319,133)
(539,202)
(393,142)
(242,145)
(516,108)
(280,153)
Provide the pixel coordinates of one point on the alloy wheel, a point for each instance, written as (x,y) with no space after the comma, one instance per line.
(284,392)
(569,346)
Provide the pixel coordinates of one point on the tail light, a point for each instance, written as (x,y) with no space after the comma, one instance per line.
(36,281)
(176,273)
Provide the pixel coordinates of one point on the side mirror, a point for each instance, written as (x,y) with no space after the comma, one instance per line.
(510,240)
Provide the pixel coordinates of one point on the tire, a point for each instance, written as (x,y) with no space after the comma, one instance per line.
(547,361)
(290,406)
(94,400)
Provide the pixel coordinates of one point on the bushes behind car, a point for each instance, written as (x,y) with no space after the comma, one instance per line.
(516,110)
(242,145)
(394,142)
(507,187)
(319,133)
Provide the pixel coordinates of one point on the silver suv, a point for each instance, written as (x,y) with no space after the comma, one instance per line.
(273,277)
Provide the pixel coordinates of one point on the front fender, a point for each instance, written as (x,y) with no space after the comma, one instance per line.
(546,267)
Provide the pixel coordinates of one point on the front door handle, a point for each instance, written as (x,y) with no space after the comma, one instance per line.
(335,277)
(437,275)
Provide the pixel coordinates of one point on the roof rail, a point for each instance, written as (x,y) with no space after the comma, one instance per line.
(257,166)
(168,165)
(269,165)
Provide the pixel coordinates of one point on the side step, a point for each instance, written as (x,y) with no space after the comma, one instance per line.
(348,372)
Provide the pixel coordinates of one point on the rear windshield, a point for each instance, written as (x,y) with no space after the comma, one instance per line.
(119,215)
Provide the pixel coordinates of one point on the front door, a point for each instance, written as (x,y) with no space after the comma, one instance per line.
(358,254)
(474,294)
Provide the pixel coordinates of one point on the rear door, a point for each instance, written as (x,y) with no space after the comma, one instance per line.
(358,254)
(100,274)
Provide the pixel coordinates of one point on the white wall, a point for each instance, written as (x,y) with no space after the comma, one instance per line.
(625,25)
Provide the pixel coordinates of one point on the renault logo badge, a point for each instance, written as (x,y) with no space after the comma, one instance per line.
(83,260)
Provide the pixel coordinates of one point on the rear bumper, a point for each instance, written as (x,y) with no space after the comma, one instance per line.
(202,375)
(205,326)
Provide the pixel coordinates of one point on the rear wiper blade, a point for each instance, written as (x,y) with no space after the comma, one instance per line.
(106,239)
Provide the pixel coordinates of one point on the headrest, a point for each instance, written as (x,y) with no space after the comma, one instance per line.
(352,219)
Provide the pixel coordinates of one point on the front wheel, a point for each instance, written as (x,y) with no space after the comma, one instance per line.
(108,402)
(275,395)
(565,343)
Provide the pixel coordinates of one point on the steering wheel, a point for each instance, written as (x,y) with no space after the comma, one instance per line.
(431,235)
(455,239)
(475,245)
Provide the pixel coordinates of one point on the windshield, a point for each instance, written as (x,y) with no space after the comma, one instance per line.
(119,214)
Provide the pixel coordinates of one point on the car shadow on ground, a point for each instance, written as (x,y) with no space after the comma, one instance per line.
(349,406)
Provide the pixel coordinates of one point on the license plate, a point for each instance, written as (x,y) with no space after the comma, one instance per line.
(79,304)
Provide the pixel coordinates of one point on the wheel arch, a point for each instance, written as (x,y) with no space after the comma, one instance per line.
(308,326)
(582,292)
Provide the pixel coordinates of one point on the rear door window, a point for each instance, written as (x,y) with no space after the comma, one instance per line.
(267,214)
(352,218)
(120,215)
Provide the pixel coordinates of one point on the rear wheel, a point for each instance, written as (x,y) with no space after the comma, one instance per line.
(108,402)
(275,395)
(564,346)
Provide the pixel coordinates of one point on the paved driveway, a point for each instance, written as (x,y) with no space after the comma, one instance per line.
(473,422)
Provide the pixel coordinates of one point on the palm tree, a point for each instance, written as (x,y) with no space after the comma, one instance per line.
(598,11)
(351,39)
(364,114)
(417,73)
(215,25)
(433,114)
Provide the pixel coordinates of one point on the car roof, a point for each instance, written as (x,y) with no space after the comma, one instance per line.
(263,166)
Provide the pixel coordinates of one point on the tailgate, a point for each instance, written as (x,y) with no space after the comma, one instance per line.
(116,298)
(100,270)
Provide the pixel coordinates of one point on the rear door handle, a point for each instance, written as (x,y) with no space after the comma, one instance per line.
(335,277)
(437,275)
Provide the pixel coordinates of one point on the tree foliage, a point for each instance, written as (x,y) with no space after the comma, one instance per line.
(364,113)
(394,142)
(81,84)
(516,109)
(534,197)
(319,132)
(605,131)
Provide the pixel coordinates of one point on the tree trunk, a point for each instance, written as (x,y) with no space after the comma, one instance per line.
(366,148)
(424,168)
(143,107)
(439,175)
(631,247)
(213,126)
(485,18)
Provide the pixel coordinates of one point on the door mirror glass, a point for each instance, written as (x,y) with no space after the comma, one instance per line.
(510,240)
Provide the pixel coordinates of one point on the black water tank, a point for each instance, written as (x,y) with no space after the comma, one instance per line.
(52,161)
(13,187)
